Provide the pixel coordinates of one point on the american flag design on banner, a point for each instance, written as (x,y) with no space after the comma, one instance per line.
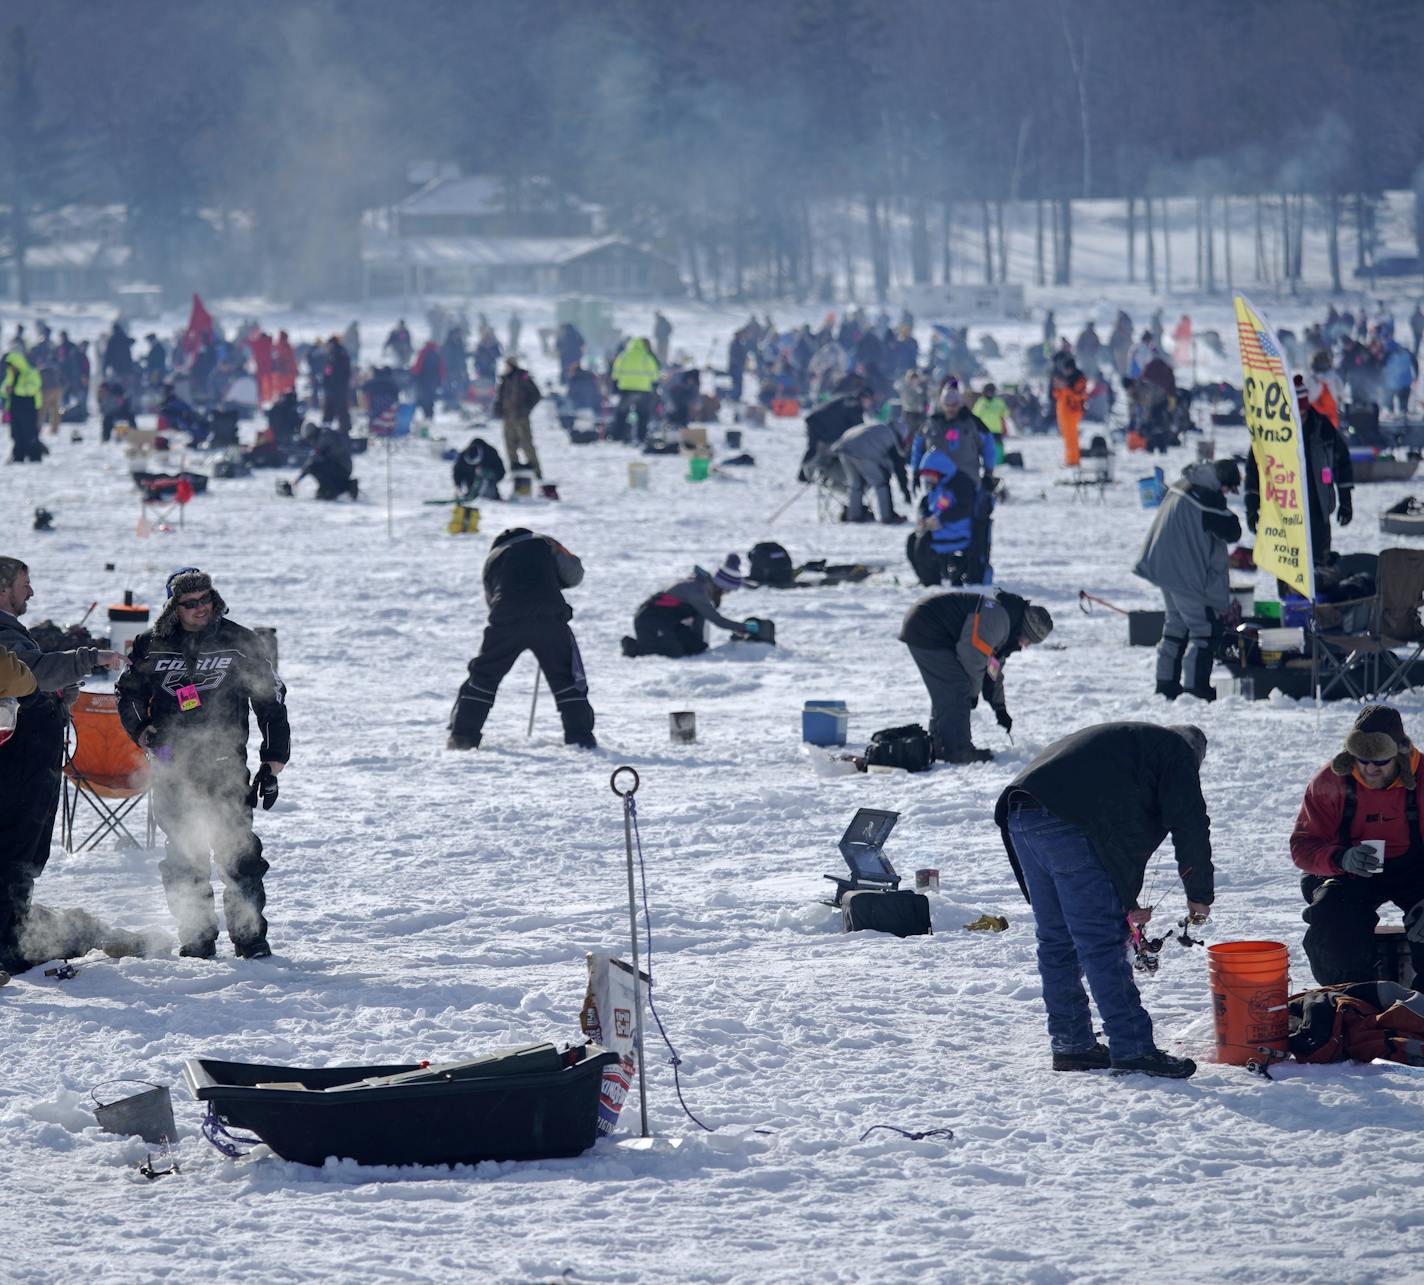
(1259,350)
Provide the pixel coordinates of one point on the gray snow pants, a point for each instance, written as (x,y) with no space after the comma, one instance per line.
(862,474)
(1188,645)
(952,696)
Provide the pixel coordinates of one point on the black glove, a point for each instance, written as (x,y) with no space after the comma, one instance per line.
(1002,717)
(265,785)
(1253,511)
(1345,514)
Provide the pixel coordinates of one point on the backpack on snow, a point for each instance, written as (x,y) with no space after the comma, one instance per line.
(1360,1022)
(770,565)
(907,747)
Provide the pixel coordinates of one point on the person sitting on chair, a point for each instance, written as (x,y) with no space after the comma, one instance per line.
(674,622)
(1357,837)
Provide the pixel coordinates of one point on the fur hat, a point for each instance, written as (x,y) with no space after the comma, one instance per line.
(1037,624)
(729,574)
(1377,733)
(181,583)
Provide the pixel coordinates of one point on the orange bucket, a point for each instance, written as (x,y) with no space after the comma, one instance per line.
(1249,984)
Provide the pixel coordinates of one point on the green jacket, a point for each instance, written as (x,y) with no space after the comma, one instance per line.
(636,369)
(21,379)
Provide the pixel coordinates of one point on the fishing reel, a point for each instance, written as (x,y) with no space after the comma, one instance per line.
(1147,951)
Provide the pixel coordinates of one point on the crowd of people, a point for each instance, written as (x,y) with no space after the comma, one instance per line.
(1079,824)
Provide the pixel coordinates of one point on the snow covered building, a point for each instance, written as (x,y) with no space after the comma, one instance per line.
(476,234)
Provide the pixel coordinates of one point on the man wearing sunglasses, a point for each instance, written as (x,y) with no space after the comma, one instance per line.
(185,699)
(1358,840)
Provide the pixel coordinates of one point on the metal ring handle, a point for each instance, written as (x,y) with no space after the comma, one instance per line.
(613,782)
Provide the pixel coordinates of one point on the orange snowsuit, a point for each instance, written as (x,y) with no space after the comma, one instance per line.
(1070,399)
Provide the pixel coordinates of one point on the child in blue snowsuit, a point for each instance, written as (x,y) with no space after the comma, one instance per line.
(944,530)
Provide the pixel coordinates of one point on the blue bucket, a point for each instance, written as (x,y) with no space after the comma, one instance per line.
(1152,490)
(824,722)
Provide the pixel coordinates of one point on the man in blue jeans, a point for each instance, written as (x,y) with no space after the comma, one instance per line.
(1080,824)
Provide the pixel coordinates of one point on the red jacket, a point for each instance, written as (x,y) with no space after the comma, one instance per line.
(1379,814)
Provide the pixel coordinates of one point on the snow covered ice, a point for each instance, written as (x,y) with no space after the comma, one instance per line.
(431,905)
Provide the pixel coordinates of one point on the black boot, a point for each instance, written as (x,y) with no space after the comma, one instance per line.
(1199,675)
(1169,688)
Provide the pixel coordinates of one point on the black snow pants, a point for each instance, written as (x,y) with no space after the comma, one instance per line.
(555,648)
(29,799)
(668,631)
(1343,914)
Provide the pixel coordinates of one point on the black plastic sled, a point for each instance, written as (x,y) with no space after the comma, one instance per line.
(532,1103)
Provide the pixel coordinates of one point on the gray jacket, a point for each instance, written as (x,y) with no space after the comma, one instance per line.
(871,443)
(696,592)
(57,673)
(1185,550)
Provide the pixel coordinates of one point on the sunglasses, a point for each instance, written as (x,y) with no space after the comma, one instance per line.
(1374,762)
(192,604)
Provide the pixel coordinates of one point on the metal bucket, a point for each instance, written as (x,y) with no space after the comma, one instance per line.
(682,727)
(148,1114)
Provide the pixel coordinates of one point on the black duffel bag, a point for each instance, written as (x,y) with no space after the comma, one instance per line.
(908,747)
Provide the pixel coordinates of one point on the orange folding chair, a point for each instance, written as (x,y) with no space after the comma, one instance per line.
(106,769)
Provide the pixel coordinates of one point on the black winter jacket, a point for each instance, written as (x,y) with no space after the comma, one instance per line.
(525,575)
(1126,786)
(229,666)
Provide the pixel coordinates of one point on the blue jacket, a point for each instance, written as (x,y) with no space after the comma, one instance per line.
(1398,370)
(950,501)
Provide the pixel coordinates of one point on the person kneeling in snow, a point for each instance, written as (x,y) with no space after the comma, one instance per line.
(330,463)
(524,578)
(478,471)
(674,622)
(1080,824)
(185,699)
(1184,555)
(960,642)
(1367,792)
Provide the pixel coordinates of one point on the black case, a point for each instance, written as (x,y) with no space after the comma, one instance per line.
(905,914)
(908,747)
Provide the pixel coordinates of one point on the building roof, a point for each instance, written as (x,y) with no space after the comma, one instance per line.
(72,255)
(484,251)
(478,194)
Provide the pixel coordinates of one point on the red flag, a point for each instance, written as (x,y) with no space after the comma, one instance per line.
(200,327)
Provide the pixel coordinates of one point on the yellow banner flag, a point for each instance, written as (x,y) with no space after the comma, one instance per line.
(1278,445)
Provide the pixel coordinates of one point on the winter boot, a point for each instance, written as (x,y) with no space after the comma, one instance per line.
(1200,659)
(1093,1059)
(1202,693)
(457,742)
(631,646)
(202,948)
(968,754)
(1157,1063)
(1169,688)
(257,948)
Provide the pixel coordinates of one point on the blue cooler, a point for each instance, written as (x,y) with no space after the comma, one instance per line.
(824,722)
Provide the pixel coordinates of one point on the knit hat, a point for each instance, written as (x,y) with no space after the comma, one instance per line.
(1228,474)
(729,574)
(1037,624)
(1194,737)
(182,582)
(1377,733)
(950,398)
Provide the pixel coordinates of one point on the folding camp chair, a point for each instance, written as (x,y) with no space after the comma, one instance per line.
(1367,664)
(103,767)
